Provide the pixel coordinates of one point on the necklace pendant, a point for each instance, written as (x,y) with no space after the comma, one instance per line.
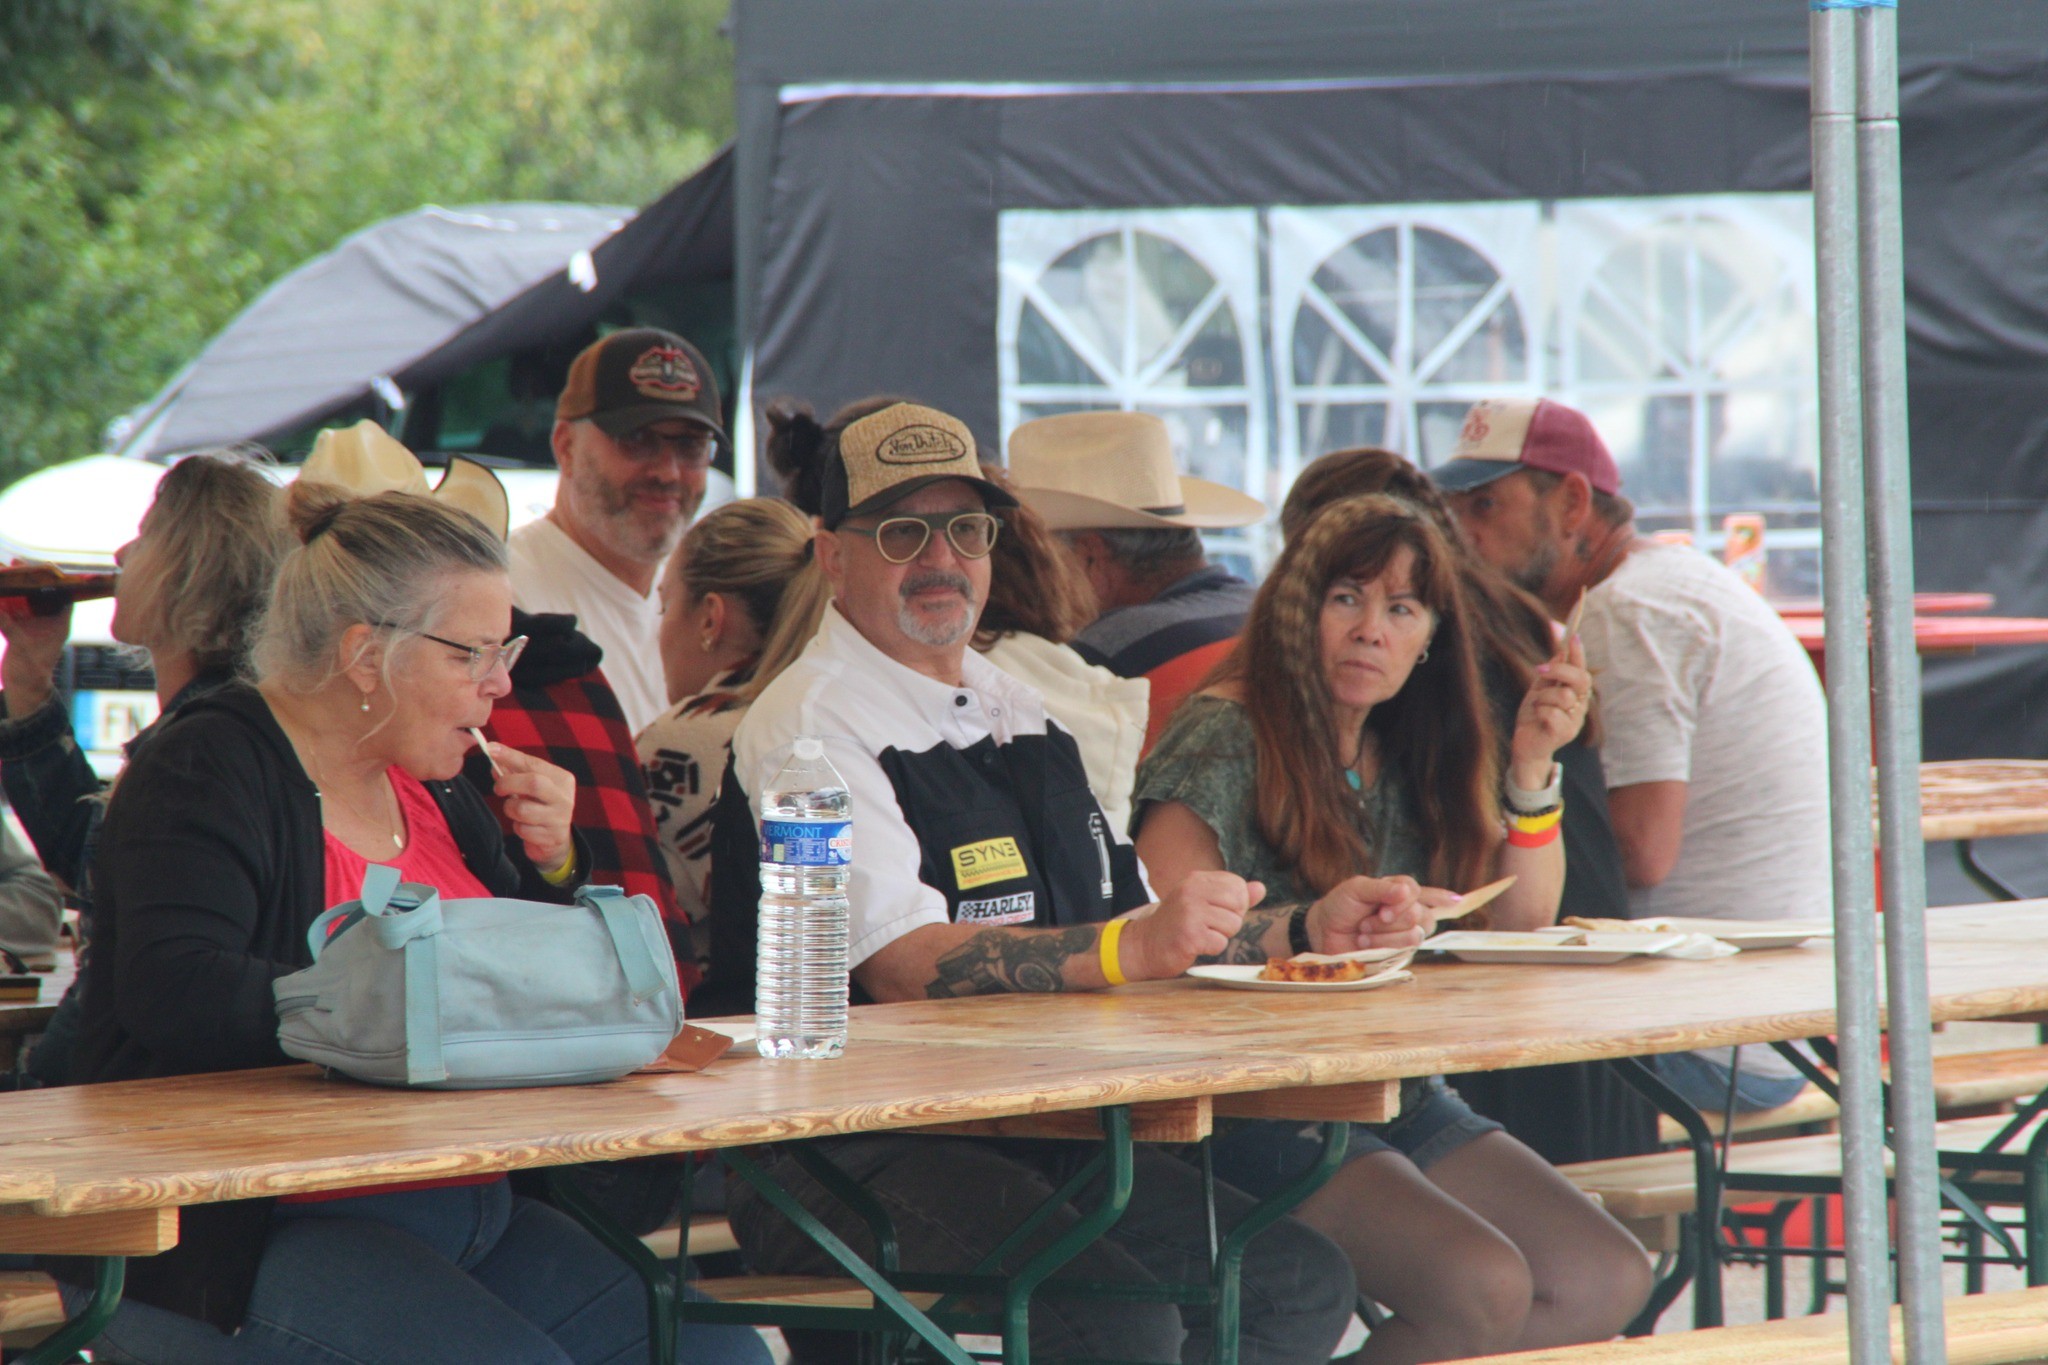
(398,841)
(1357,782)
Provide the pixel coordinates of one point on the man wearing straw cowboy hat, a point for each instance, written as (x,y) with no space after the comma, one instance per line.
(1107,482)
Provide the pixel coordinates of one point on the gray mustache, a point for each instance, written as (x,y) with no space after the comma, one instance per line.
(935,578)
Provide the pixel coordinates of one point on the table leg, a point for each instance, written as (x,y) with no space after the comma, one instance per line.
(1116,1143)
(886,1295)
(1705,1228)
(1978,873)
(68,1340)
(654,1276)
(1225,1321)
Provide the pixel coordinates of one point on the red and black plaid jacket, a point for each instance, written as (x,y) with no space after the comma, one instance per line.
(562,709)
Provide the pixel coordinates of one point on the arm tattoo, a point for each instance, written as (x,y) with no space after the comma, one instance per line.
(999,960)
(1248,944)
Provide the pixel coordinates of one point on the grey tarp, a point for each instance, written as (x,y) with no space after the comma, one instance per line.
(879,143)
(381,298)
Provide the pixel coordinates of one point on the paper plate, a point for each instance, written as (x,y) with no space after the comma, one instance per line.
(1598,949)
(1245,977)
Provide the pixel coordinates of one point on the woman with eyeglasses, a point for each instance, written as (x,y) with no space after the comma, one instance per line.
(383,646)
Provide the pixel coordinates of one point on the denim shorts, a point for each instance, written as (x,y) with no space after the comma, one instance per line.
(1261,1156)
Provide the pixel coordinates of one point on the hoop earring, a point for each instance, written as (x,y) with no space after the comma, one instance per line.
(1423,657)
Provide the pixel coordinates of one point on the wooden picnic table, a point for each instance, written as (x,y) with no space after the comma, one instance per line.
(1936,635)
(1924,604)
(1985,798)
(102,1169)
(236,1135)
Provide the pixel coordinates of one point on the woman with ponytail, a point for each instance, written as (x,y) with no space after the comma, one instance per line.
(740,598)
(1349,735)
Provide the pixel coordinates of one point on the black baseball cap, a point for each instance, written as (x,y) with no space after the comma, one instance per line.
(637,377)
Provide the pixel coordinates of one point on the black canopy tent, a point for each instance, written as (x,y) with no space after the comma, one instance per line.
(881,144)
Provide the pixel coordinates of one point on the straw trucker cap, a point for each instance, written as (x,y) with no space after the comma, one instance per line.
(891,454)
(1086,471)
(366,460)
(1502,435)
(633,378)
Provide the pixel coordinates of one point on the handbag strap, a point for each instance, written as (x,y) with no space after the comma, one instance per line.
(379,882)
(423,1063)
(644,977)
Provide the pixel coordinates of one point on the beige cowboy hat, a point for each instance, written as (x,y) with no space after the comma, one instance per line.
(1086,471)
(366,460)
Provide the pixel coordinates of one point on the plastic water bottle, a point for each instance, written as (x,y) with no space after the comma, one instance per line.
(800,965)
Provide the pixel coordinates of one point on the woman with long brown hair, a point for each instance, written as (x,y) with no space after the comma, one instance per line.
(1576,1111)
(1349,733)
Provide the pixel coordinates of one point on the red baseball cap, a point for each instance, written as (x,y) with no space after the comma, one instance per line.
(1502,435)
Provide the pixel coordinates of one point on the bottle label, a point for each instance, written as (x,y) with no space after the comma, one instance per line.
(807,843)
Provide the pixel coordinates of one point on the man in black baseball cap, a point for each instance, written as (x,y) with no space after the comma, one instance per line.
(636,426)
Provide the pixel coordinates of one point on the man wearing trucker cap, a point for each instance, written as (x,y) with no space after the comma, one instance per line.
(635,428)
(1714,730)
(983,865)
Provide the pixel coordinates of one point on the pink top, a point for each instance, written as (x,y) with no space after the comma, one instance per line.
(430,855)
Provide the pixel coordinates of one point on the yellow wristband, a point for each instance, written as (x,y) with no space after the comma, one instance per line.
(1112,970)
(1536,824)
(562,874)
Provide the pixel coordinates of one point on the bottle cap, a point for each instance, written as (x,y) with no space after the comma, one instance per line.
(808,748)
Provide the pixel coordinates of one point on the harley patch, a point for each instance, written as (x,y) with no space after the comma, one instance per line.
(665,372)
(1021,908)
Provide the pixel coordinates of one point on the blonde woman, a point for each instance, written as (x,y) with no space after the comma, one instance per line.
(739,599)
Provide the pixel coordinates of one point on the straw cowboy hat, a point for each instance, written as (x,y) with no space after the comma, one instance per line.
(365,460)
(1085,471)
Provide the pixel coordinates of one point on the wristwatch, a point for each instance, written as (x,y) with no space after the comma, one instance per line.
(1522,801)
(1297,929)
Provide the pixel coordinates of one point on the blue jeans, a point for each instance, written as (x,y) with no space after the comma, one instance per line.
(1704,1084)
(460,1274)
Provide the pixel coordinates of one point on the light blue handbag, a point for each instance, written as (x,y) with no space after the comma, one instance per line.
(408,989)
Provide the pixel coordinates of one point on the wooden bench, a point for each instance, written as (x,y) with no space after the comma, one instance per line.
(1962,1080)
(798,1291)
(29,1303)
(1983,1329)
(1808,1106)
(1649,1193)
(710,1235)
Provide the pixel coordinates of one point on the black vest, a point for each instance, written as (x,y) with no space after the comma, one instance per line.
(1009,834)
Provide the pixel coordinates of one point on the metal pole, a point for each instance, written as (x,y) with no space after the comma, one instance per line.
(1888,498)
(1843,567)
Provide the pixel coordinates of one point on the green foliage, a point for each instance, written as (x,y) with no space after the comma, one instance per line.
(162,161)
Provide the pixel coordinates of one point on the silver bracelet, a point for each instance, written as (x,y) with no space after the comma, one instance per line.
(1522,801)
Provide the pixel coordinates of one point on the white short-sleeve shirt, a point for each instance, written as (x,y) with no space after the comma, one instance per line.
(552,573)
(861,703)
(1701,682)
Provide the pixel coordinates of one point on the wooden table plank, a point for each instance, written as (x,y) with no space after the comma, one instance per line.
(202,1138)
(1983,798)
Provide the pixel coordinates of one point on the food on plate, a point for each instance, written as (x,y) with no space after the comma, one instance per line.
(1299,969)
(1613,926)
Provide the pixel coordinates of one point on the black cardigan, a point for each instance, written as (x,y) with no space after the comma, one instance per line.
(210,867)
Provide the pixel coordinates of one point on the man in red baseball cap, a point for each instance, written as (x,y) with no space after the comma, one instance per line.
(1714,744)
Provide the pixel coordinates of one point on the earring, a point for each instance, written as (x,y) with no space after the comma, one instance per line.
(705,642)
(366,702)
(1421,659)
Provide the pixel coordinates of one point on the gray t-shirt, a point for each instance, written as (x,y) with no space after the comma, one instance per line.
(1701,682)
